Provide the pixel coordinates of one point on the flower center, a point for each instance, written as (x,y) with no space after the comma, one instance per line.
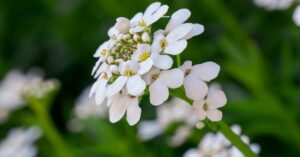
(163,43)
(103,52)
(205,107)
(124,47)
(154,77)
(188,71)
(142,23)
(144,56)
(129,73)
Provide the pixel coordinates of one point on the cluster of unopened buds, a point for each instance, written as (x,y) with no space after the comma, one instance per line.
(135,62)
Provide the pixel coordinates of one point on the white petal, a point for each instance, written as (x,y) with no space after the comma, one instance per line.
(159,32)
(145,66)
(176,47)
(149,129)
(152,8)
(136,29)
(157,15)
(255,148)
(156,46)
(135,85)
(103,67)
(296,15)
(177,18)
(118,109)
(94,88)
(216,100)
(113,99)
(179,32)
(148,76)
(191,153)
(197,30)
(206,71)
(214,115)
(137,17)
(162,61)
(159,93)
(101,48)
(142,48)
(133,112)
(116,86)
(172,78)
(198,109)
(187,65)
(195,89)
(100,92)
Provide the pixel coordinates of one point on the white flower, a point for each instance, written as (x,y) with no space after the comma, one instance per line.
(296,15)
(19,143)
(160,82)
(196,77)
(153,13)
(121,103)
(173,40)
(209,107)
(129,76)
(142,55)
(274,4)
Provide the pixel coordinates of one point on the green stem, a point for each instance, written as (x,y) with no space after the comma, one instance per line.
(50,131)
(220,126)
(178,59)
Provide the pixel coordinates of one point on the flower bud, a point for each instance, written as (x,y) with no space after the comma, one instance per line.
(122,25)
(146,37)
(136,37)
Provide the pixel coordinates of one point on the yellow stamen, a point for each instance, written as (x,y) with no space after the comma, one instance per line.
(103,52)
(129,73)
(144,56)
(142,23)
(163,43)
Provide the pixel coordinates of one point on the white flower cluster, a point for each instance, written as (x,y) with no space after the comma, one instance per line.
(19,143)
(217,145)
(38,87)
(134,62)
(274,4)
(11,92)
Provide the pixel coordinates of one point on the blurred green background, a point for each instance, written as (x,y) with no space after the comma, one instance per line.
(258,51)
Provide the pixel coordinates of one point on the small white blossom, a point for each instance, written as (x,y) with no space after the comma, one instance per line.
(173,40)
(296,15)
(274,4)
(208,107)
(160,82)
(196,77)
(19,143)
(122,103)
(153,13)
(129,76)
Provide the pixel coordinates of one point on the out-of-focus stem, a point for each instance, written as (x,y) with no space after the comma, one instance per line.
(50,131)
